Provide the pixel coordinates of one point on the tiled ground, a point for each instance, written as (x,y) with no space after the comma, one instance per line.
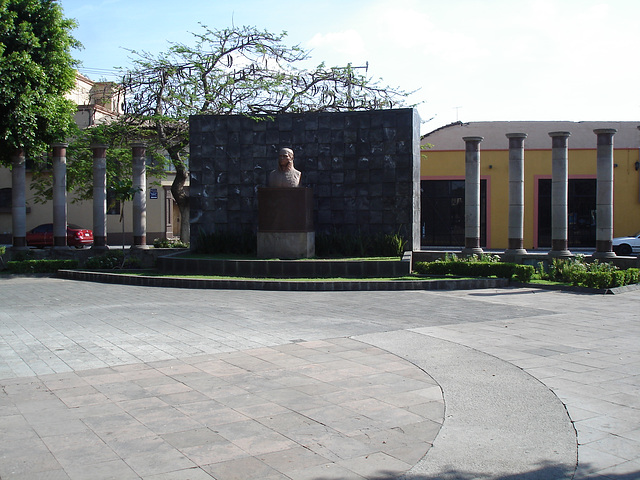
(122,371)
(319,409)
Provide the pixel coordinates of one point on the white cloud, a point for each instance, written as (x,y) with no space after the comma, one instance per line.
(348,42)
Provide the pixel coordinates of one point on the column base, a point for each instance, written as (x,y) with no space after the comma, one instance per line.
(514,255)
(20,243)
(515,251)
(560,248)
(560,253)
(472,246)
(603,255)
(140,242)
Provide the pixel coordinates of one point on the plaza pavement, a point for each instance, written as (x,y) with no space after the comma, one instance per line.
(110,381)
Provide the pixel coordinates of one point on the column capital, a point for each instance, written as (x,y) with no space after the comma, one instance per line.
(559,134)
(559,139)
(99,150)
(605,136)
(59,149)
(472,144)
(138,149)
(516,135)
(605,131)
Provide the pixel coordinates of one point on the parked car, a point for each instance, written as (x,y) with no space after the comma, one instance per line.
(42,236)
(626,245)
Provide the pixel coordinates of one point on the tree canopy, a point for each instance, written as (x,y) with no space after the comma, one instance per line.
(238,70)
(36,71)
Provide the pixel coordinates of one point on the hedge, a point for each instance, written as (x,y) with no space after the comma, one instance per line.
(522,273)
(40,266)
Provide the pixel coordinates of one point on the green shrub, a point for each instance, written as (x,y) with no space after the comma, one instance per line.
(111,260)
(40,266)
(576,271)
(169,243)
(524,273)
(469,269)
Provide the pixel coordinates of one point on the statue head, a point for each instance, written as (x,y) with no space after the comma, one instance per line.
(285,159)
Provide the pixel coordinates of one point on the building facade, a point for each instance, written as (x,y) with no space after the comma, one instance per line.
(442,177)
(97,102)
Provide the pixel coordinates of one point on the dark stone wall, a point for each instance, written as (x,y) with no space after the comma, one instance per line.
(364,168)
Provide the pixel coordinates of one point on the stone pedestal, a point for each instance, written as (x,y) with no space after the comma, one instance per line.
(285,223)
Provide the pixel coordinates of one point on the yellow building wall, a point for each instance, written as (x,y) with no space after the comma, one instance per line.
(494,168)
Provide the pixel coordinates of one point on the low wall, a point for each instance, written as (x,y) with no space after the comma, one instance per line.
(174,264)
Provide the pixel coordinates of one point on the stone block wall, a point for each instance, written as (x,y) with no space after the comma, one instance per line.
(364,168)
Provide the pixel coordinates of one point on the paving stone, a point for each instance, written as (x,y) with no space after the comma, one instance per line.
(141,366)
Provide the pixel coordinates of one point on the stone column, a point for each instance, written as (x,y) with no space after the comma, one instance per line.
(516,194)
(472,196)
(18,200)
(139,184)
(559,194)
(604,194)
(60,195)
(99,197)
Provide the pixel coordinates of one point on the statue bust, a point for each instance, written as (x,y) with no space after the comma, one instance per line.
(285,175)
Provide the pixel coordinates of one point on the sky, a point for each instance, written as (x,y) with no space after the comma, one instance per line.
(465,60)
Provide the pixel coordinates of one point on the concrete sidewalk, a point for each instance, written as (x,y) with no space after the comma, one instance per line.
(111,381)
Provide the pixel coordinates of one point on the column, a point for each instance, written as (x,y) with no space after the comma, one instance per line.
(18,200)
(604,193)
(472,196)
(516,194)
(99,196)
(60,195)
(139,184)
(559,194)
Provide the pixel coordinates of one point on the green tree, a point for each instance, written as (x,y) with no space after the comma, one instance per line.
(238,70)
(36,70)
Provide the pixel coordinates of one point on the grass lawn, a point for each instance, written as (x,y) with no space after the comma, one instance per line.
(153,273)
(199,256)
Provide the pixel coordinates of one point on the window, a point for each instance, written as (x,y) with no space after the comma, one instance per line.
(581,212)
(5,200)
(443,212)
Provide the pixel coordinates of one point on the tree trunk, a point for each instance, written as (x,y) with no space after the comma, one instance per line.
(182,199)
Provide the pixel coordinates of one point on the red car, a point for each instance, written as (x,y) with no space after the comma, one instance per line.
(42,236)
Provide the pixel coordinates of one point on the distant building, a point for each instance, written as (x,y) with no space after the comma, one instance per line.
(442,175)
(98,102)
